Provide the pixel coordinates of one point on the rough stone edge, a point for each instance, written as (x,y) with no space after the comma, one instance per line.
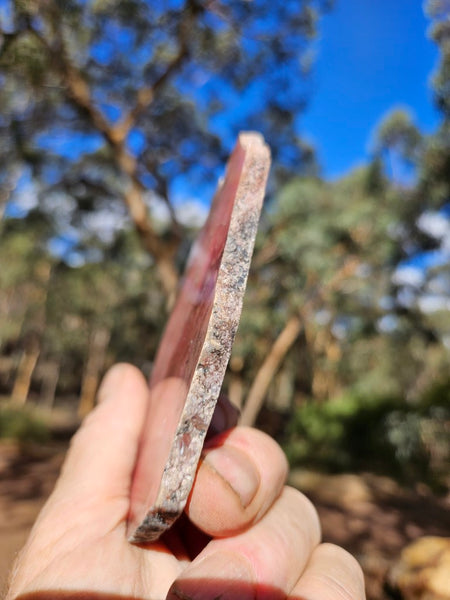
(180,469)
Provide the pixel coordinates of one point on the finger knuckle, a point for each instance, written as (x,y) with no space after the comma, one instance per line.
(264,451)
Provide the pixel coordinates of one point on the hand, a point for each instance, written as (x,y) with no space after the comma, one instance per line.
(247,536)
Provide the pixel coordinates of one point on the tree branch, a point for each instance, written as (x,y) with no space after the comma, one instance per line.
(285,341)
(266,372)
(79,94)
(162,189)
(6,190)
(146,95)
(8,39)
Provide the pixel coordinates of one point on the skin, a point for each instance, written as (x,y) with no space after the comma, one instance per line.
(245,534)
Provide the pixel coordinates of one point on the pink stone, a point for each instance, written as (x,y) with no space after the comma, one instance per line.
(196,345)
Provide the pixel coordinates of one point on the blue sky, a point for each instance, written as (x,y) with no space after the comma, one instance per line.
(373,55)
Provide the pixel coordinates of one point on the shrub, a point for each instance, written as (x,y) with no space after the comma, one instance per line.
(380,434)
(22,425)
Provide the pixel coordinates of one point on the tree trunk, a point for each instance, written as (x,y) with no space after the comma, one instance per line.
(24,375)
(236,385)
(49,383)
(236,391)
(32,339)
(5,193)
(268,369)
(94,366)
(324,380)
(281,400)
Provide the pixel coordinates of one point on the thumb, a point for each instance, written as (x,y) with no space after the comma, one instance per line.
(241,474)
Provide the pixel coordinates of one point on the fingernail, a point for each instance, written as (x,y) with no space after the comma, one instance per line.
(237,469)
(221,575)
(111,381)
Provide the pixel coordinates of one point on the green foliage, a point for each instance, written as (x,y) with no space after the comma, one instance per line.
(357,384)
(438,10)
(397,131)
(62,306)
(80,81)
(22,425)
(381,434)
(435,173)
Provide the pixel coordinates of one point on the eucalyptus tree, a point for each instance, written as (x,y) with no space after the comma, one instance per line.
(112,104)
(25,272)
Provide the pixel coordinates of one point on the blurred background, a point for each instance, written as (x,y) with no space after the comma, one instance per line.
(116,120)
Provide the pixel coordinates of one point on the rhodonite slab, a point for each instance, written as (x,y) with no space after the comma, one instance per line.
(195,348)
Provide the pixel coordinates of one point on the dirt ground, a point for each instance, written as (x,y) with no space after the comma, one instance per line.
(370,516)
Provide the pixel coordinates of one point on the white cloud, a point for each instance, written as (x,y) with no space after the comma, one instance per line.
(105,223)
(75,260)
(27,200)
(387,323)
(340,328)
(323,317)
(158,209)
(191,213)
(61,206)
(406,297)
(440,284)
(24,194)
(431,303)
(445,245)
(434,224)
(408,276)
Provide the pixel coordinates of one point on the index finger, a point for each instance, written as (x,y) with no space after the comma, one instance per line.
(103,452)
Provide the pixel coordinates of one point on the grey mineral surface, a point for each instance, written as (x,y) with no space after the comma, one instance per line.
(196,346)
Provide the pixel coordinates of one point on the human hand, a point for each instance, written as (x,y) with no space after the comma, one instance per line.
(248,536)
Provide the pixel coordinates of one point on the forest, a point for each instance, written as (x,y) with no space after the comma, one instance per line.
(116,121)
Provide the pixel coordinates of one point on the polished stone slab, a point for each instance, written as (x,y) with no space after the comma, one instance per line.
(196,346)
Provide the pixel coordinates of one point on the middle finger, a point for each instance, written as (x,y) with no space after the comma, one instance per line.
(264,561)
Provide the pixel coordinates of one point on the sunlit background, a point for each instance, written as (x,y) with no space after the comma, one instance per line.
(116,120)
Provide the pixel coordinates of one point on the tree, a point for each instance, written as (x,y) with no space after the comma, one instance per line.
(436,164)
(399,141)
(438,10)
(24,278)
(63,325)
(112,104)
(336,311)
(320,240)
(323,314)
